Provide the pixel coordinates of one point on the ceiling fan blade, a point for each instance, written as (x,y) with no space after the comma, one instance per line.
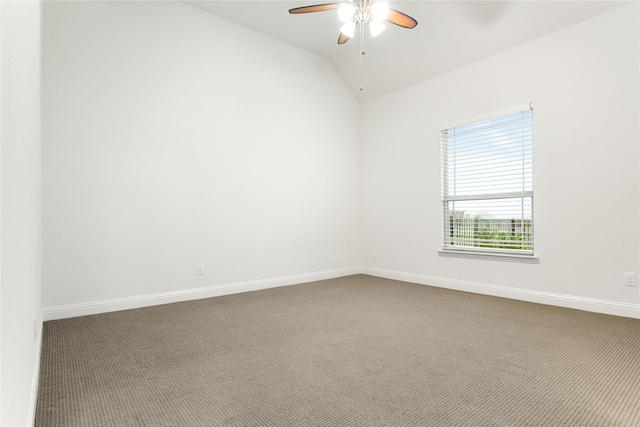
(342,39)
(314,8)
(401,19)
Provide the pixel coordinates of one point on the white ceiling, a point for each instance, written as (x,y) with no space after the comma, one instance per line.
(450,34)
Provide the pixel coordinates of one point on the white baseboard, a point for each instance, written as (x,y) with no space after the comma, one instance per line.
(117,304)
(568,301)
(560,300)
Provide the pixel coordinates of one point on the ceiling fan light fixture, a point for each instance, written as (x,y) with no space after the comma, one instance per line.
(346,12)
(362,12)
(376,28)
(348,29)
(379,11)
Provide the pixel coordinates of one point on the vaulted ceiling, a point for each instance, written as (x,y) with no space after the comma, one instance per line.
(450,34)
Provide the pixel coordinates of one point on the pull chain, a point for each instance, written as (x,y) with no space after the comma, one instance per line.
(361,52)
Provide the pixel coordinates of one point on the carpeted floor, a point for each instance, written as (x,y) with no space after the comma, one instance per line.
(354,351)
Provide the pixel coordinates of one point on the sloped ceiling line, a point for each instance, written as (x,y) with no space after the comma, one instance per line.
(451,34)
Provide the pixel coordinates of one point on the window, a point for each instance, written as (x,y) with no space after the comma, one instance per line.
(487,185)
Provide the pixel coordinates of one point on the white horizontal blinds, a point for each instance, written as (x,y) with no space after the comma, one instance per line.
(487,184)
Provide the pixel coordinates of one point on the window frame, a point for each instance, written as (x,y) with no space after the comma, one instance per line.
(477,252)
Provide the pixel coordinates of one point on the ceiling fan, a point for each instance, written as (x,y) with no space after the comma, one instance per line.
(361,12)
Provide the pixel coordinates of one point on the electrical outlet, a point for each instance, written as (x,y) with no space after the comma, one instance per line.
(375,255)
(630,279)
(199,269)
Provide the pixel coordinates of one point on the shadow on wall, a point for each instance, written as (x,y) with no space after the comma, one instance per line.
(485,12)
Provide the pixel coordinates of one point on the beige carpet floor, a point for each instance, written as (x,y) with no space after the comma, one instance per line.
(354,351)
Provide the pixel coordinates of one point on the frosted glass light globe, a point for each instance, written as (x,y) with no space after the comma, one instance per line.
(346,11)
(379,11)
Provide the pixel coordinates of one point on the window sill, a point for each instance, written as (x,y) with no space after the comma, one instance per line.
(491,256)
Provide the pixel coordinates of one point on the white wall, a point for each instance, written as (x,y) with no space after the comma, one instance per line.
(172,138)
(584,81)
(20,210)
